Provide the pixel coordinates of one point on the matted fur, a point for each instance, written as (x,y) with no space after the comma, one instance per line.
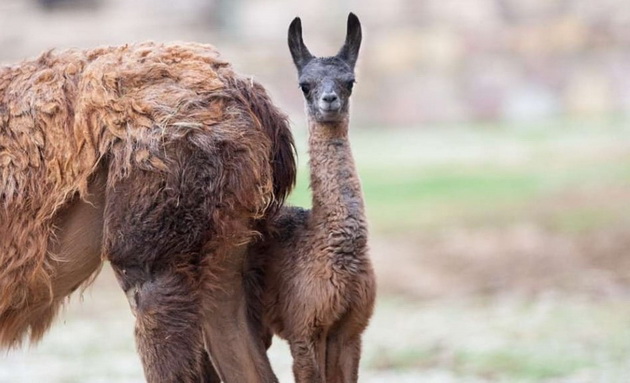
(65,113)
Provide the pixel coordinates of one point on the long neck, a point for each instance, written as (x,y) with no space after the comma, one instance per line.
(336,190)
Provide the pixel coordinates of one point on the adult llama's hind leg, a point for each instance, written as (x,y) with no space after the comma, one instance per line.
(153,252)
(161,233)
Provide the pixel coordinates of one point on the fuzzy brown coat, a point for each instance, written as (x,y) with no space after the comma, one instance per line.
(312,271)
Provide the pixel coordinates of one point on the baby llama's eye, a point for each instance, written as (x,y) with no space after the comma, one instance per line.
(305,87)
(350,84)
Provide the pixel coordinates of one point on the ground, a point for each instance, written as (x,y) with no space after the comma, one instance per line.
(553,338)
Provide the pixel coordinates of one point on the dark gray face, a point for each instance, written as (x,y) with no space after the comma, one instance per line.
(327,86)
(326,81)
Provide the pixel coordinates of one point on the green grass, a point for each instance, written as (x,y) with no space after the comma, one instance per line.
(512,364)
(409,186)
(585,219)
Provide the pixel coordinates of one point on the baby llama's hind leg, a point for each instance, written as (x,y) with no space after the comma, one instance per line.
(343,350)
(306,364)
(343,354)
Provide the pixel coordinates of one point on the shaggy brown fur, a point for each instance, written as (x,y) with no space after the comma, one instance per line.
(312,272)
(160,158)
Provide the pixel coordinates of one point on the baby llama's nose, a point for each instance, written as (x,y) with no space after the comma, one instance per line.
(329,97)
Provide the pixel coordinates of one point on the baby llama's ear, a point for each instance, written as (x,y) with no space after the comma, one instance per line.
(350,50)
(299,51)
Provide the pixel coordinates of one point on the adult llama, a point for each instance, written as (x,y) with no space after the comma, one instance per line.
(163,161)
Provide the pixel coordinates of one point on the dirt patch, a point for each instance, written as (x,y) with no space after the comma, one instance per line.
(576,242)
(523,259)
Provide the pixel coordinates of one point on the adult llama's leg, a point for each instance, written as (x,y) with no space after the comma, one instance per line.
(159,237)
(207,373)
(152,249)
(238,351)
(153,234)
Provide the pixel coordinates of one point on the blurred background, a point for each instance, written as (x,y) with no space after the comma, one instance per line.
(493,142)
